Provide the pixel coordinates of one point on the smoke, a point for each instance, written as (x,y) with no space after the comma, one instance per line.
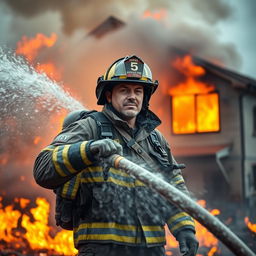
(84,13)
(189,25)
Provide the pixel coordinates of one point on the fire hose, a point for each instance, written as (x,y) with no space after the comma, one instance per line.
(175,196)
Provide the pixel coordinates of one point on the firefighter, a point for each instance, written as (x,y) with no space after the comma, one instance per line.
(112,212)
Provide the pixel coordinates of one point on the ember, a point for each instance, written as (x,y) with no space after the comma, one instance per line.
(250,225)
(156,15)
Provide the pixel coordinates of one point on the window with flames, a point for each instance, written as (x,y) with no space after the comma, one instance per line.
(195,103)
(195,113)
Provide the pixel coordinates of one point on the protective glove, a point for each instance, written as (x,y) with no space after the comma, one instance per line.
(188,242)
(105,147)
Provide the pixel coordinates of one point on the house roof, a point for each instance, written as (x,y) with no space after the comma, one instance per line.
(109,25)
(237,80)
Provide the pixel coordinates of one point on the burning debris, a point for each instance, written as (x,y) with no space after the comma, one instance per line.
(25,230)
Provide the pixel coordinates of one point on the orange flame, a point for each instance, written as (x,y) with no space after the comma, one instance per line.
(156,15)
(57,120)
(37,232)
(49,69)
(30,47)
(212,251)
(197,97)
(205,238)
(8,222)
(4,159)
(250,225)
(37,139)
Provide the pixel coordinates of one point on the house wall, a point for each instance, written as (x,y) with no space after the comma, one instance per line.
(230,134)
(249,136)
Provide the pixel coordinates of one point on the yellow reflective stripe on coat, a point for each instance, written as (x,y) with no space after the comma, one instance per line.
(181,224)
(94,174)
(179,220)
(71,187)
(48,148)
(177,216)
(55,162)
(83,153)
(178,179)
(106,225)
(108,237)
(119,232)
(66,160)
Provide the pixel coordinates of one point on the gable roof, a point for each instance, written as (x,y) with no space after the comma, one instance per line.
(109,25)
(237,80)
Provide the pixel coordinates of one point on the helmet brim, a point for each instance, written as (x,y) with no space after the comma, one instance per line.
(107,85)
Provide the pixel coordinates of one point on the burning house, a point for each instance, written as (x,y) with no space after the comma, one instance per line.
(209,116)
(212,127)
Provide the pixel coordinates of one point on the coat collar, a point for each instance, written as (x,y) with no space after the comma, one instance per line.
(146,120)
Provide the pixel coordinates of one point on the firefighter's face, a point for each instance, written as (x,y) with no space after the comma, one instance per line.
(127,99)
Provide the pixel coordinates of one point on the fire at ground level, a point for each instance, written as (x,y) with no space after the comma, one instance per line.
(25,230)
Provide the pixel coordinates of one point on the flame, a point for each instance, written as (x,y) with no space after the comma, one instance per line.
(50,69)
(37,139)
(250,225)
(57,120)
(212,251)
(4,159)
(30,47)
(200,98)
(37,231)
(20,230)
(8,222)
(156,15)
(205,238)
(24,202)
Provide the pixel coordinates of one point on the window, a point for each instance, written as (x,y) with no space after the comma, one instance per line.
(254,121)
(195,113)
(254,177)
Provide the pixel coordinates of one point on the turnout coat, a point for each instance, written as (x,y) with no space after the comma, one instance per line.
(111,206)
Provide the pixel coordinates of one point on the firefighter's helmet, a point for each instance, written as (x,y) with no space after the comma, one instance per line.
(128,69)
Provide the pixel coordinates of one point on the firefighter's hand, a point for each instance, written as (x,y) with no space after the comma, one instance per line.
(188,242)
(105,147)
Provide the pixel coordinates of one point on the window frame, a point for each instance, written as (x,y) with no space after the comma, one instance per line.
(254,121)
(195,106)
